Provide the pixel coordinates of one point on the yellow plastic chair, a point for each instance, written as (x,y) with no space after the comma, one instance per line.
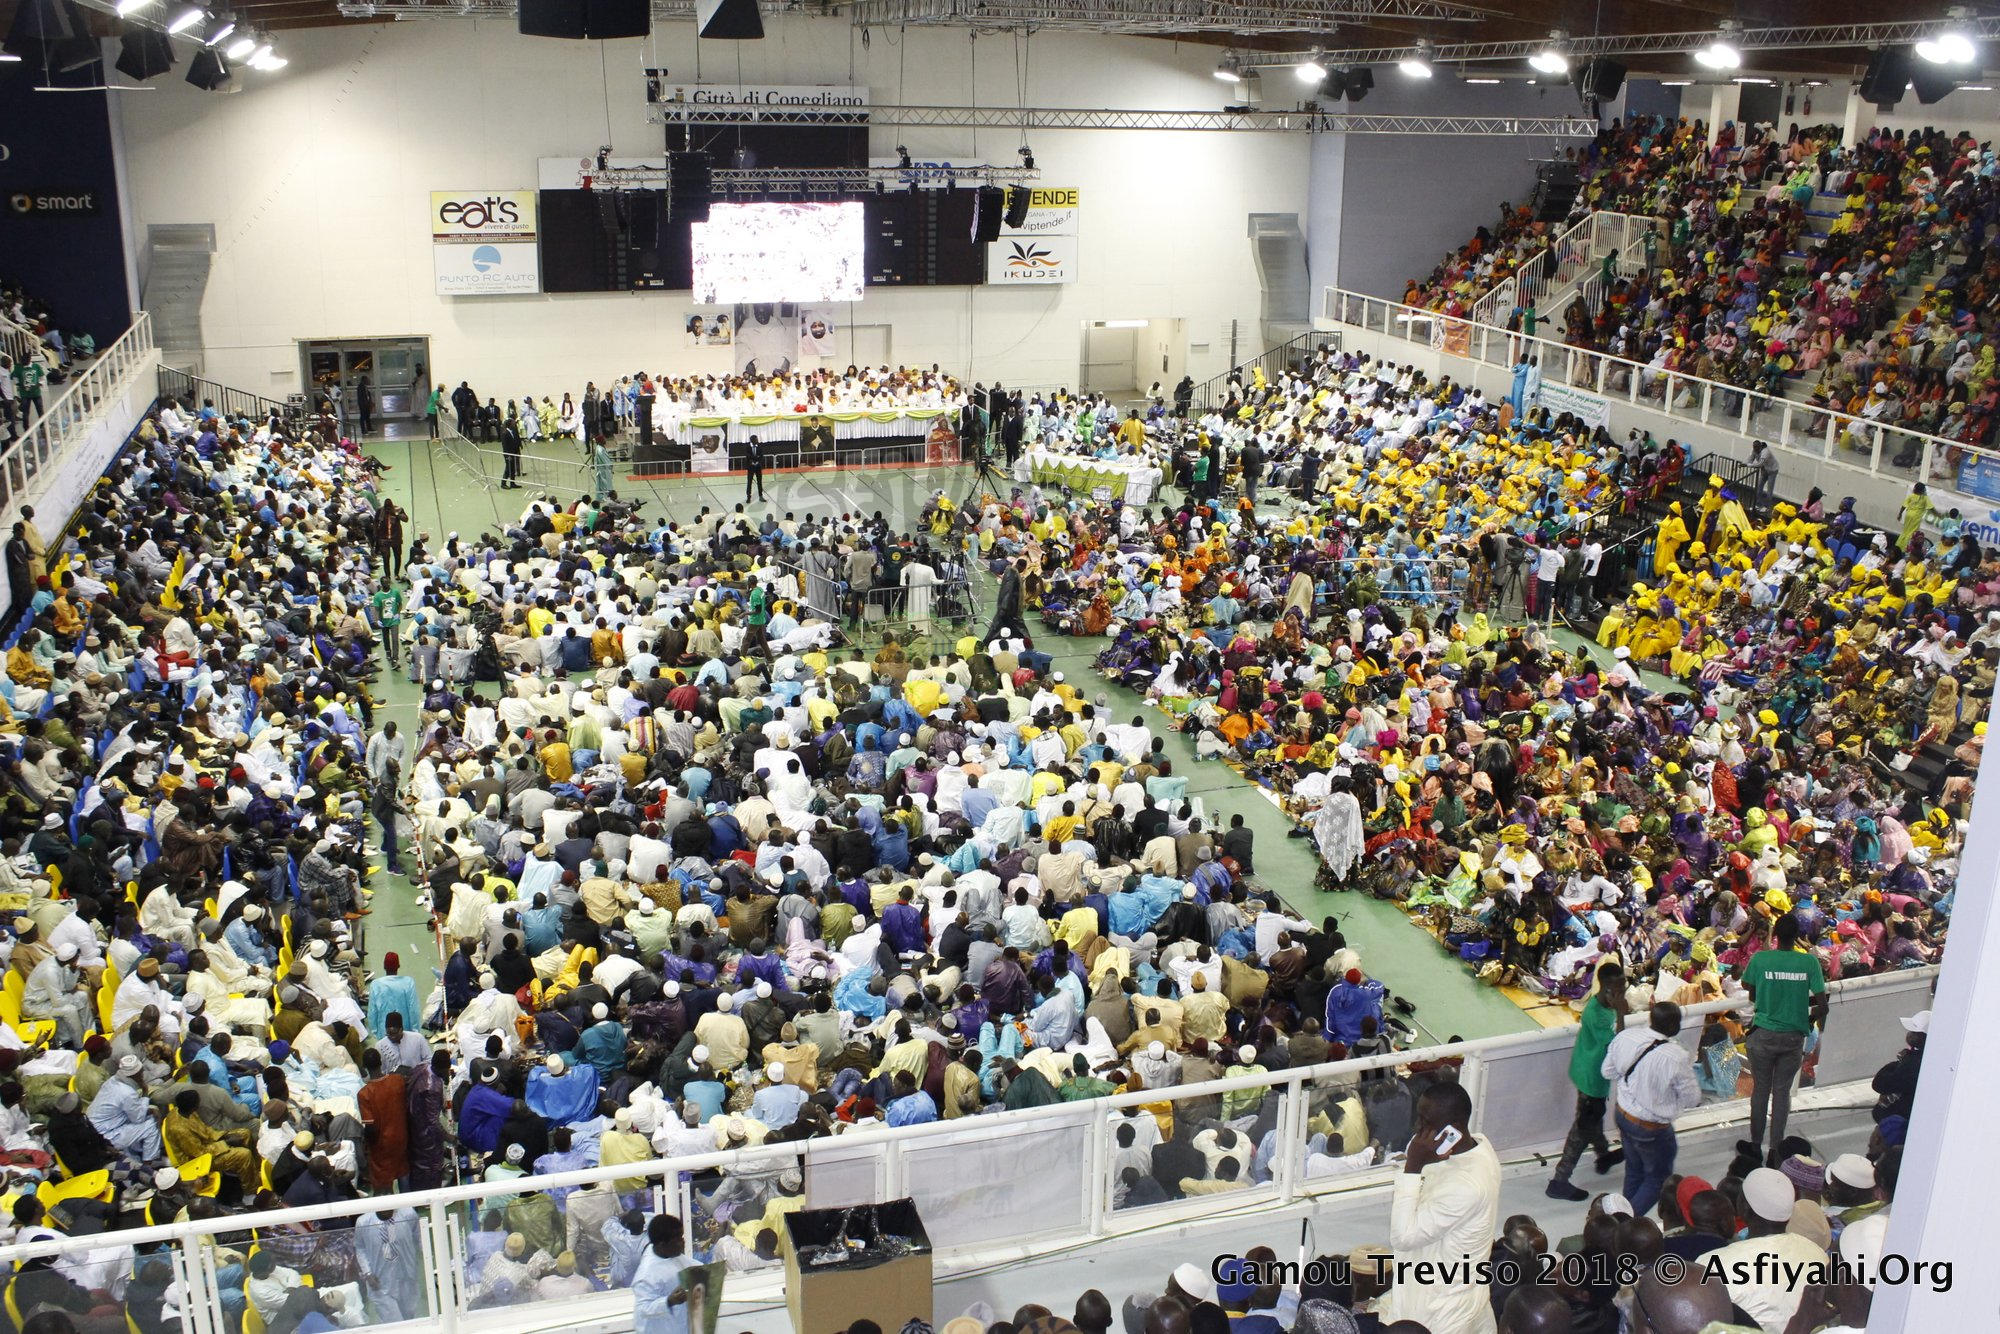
(90,1186)
(106,993)
(12,991)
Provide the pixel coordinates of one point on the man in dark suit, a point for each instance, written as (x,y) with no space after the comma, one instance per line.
(753,468)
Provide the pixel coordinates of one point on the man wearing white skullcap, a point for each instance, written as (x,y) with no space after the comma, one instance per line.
(725,1035)
(602,1045)
(777,1104)
(1750,1266)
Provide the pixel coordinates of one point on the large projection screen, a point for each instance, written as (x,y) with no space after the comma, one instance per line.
(779,252)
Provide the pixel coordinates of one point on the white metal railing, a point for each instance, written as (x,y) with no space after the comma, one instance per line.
(70,414)
(197,391)
(18,341)
(1823,434)
(1547,267)
(975,1180)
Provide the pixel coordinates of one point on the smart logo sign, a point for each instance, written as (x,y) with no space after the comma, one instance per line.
(483,242)
(52,203)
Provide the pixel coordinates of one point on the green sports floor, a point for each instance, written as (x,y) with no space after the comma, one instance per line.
(442,499)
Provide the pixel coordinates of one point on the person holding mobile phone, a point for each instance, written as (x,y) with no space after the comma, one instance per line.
(1445,1213)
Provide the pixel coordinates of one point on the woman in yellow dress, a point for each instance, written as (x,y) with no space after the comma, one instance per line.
(1672,535)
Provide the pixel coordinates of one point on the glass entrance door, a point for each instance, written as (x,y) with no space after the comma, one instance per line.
(394,371)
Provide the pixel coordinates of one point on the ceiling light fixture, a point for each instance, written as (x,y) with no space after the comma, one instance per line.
(1553,58)
(128,7)
(1310,70)
(1749,78)
(1948,48)
(219,27)
(1719,54)
(1482,80)
(245,43)
(1418,64)
(1722,52)
(1230,70)
(188,18)
(264,60)
(1676,83)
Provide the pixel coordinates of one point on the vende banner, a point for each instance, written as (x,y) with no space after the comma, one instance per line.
(1043,249)
(483,242)
(1050,213)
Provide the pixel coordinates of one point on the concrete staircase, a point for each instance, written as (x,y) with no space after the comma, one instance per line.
(178,256)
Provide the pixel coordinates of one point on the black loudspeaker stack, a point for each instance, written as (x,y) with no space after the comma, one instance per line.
(1358,81)
(1887,76)
(728,20)
(1018,198)
(598,20)
(988,207)
(690,187)
(144,53)
(1555,191)
(1600,78)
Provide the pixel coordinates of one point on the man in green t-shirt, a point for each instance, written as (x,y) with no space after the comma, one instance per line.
(388,604)
(1602,1015)
(28,373)
(1788,987)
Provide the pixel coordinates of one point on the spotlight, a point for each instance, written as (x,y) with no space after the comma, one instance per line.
(127,7)
(1719,54)
(1310,70)
(1230,70)
(243,45)
(1948,48)
(187,19)
(1027,157)
(261,54)
(1553,58)
(219,27)
(902,157)
(1418,66)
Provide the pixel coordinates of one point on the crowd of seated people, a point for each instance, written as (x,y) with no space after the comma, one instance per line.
(1735,286)
(1538,807)
(708,880)
(1634,166)
(36,356)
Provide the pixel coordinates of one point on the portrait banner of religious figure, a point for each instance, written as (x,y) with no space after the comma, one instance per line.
(815,441)
(817,328)
(708,452)
(767,338)
(709,327)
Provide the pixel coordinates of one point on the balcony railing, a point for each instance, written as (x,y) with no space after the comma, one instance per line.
(70,414)
(981,1183)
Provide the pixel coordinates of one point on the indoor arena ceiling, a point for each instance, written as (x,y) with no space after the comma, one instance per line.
(1650,36)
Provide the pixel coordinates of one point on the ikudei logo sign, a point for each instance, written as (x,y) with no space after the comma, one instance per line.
(1029,256)
(1031,260)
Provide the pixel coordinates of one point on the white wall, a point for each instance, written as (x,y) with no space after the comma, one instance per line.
(317,179)
(1977,112)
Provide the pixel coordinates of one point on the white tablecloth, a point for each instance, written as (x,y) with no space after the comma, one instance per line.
(1140,477)
(786,428)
